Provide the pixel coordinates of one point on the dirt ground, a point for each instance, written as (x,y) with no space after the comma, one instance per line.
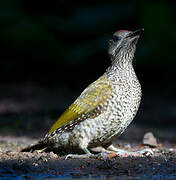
(26,165)
(21,114)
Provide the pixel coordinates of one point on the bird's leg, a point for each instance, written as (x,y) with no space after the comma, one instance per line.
(124,153)
(111,149)
(87,154)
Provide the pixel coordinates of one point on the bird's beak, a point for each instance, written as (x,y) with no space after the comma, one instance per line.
(135,33)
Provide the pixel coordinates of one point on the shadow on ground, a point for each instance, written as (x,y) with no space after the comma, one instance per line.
(28,165)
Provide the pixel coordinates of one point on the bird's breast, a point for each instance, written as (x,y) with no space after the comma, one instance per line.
(120,111)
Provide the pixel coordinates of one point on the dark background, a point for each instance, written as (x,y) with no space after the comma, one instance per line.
(50,51)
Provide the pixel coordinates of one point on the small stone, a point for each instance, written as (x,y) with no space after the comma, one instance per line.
(111,155)
(149,140)
(140,165)
(53,155)
(35,164)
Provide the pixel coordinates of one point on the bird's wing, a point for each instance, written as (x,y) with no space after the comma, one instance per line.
(95,94)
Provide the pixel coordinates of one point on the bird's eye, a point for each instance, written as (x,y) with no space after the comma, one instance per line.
(115,38)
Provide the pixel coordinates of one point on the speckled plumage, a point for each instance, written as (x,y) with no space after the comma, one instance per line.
(106,107)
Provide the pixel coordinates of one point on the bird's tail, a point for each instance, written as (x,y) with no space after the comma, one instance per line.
(33,147)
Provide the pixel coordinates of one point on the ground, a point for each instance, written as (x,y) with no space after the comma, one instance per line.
(19,128)
(13,163)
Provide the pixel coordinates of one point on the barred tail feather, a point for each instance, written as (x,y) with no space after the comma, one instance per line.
(34,147)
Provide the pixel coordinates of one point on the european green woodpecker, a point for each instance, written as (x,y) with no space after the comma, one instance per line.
(104,109)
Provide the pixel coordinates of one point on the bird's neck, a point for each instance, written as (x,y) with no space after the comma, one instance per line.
(123,58)
(121,63)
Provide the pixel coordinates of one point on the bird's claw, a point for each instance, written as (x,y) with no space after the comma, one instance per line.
(80,156)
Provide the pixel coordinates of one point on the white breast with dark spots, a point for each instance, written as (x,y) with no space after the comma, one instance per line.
(120,111)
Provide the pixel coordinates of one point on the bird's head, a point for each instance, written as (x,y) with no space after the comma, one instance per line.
(123,43)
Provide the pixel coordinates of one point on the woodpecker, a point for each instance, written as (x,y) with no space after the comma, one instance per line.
(104,109)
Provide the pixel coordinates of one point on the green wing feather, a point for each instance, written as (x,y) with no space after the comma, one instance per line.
(95,94)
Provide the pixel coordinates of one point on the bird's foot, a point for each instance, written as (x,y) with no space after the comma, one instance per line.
(110,152)
(124,153)
(80,156)
(87,154)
